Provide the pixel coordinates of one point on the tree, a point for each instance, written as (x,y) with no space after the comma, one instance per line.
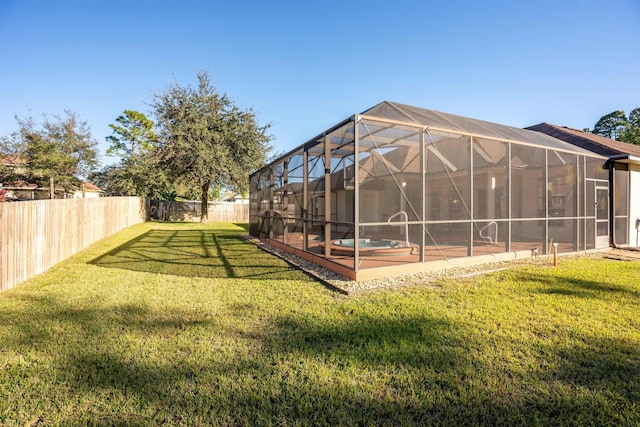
(137,173)
(133,135)
(12,165)
(58,151)
(632,133)
(145,180)
(611,125)
(618,126)
(204,139)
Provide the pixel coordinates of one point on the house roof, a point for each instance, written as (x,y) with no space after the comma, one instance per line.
(12,160)
(19,185)
(24,185)
(91,187)
(589,141)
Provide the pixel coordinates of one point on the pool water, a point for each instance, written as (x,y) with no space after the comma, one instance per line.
(368,243)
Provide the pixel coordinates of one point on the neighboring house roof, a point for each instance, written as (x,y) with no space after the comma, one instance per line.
(231,196)
(91,187)
(24,185)
(19,185)
(228,195)
(589,141)
(15,161)
(12,160)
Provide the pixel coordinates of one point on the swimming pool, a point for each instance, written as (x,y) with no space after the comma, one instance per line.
(370,247)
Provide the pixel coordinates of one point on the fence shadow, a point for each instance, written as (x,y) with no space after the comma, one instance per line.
(196,253)
(243,225)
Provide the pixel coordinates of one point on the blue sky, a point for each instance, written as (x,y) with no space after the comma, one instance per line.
(303,66)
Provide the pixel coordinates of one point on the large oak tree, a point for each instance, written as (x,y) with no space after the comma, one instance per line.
(206,140)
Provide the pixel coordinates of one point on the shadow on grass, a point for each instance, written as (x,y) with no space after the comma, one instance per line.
(206,253)
(572,286)
(130,364)
(138,365)
(598,362)
(242,225)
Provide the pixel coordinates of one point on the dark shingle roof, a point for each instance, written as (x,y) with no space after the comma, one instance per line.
(589,141)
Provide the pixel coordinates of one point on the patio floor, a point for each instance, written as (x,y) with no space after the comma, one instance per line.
(431,253)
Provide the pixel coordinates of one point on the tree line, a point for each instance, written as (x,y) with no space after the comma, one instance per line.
(199,142)
(617,125)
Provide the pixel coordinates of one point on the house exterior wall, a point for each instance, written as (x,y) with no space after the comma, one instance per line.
(634,205)
(43,194)
(86,194)
(26,194)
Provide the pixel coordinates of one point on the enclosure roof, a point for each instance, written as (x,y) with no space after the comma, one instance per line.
(438,121)
(445,121)
(589,141)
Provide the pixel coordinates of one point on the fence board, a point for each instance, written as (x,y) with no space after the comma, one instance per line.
(37,234)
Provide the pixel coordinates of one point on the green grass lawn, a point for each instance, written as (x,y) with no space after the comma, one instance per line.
(189,324)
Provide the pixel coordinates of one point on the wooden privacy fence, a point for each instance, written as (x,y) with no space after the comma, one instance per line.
(35,235)
(165,210)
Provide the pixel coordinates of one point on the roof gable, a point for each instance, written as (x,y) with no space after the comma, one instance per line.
(92,187)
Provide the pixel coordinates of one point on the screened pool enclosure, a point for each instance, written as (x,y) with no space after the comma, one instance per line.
(405,186)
